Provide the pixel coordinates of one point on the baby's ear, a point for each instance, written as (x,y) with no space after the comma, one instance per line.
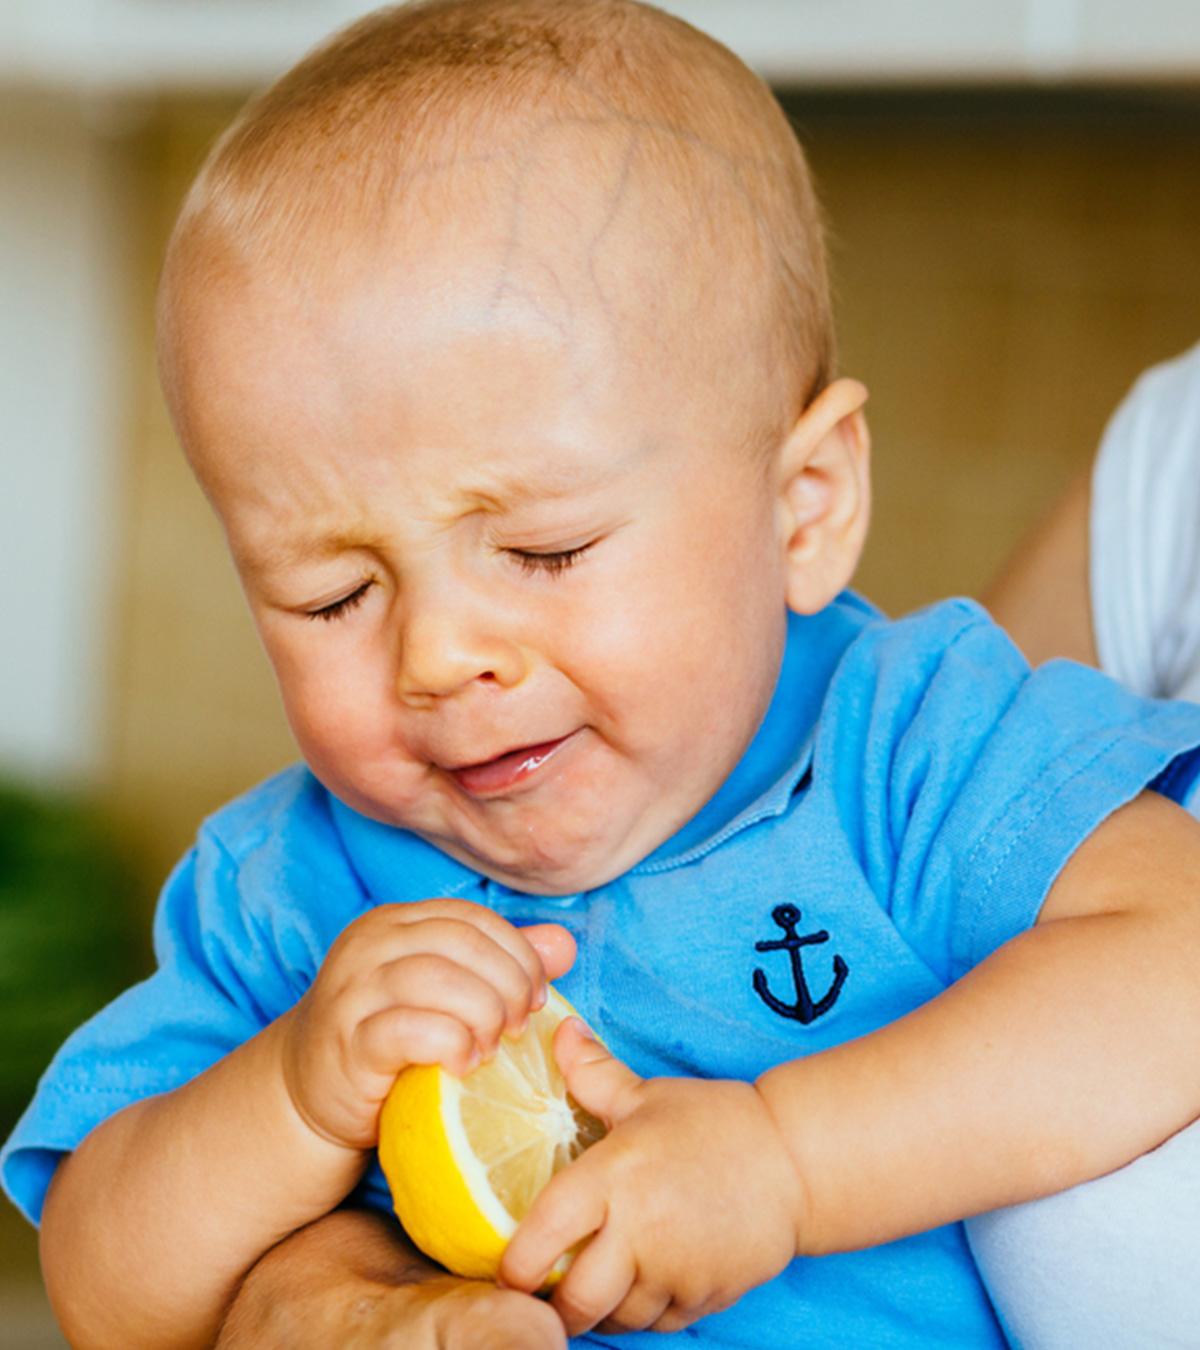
(825,495)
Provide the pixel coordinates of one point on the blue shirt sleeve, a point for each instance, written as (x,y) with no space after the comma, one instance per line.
(964,780)
(198,1005)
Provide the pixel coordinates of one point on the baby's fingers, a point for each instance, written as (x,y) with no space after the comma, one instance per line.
(390,1040)
(600,1287)
(554,945)
(539,950)
(438,984)
(567,1211)
(479,953)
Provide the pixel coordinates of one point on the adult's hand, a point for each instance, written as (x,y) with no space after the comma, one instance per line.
(352,1280)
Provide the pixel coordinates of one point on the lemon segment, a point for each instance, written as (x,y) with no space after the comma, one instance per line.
(465,1158)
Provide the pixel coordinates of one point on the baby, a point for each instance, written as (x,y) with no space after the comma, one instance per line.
(497,333)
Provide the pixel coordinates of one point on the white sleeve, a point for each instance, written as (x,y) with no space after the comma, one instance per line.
(1145,535)
(1110,1265)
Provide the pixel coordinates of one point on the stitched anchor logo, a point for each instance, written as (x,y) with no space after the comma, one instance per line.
(803,1010)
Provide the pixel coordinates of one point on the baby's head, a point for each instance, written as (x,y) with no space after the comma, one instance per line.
(498,334)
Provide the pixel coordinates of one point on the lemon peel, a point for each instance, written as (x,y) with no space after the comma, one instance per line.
(465,1158)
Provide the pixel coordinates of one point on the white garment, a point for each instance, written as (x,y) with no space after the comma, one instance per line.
(1145,535)
(1115,1264)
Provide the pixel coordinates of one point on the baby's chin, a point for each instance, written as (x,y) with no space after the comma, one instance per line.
(543,869)
(522,853)
(551,858)
(581,830)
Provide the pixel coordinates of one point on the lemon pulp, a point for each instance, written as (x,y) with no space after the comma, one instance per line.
(465,1158)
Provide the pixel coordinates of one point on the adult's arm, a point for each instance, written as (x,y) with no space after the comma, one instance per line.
(352,1279)
(1041,594)
(1112,576)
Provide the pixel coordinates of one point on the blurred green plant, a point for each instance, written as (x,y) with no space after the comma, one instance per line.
(69,930)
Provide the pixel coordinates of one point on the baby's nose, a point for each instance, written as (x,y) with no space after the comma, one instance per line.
(443,649)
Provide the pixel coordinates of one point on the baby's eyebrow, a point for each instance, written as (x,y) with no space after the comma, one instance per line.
(281,554)
(551,483)
(503,496)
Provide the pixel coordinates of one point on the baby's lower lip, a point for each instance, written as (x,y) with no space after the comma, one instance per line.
(505,771)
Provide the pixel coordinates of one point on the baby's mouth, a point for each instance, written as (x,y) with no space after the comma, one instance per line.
(506,771)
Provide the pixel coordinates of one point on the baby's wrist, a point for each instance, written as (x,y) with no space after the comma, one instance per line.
(776,1092)
(321,1149)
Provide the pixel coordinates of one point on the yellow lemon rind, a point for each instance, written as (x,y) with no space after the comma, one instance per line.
(462,1227)
(451,1214)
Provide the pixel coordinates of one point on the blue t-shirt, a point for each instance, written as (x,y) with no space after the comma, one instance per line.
(903,810)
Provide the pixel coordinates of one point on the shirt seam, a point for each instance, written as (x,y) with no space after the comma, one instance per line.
(1036,815)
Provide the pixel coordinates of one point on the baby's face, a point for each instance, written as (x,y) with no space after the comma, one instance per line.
(520,582)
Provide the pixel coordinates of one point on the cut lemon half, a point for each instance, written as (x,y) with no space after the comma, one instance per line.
(465,1158)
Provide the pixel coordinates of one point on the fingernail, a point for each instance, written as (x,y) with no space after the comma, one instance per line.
(539,999)
(582,1027)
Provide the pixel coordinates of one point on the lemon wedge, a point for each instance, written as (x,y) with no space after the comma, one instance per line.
(465,1158)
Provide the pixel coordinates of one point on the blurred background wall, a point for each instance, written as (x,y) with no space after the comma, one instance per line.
(1014,197)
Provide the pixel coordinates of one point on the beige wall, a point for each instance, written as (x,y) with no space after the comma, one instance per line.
(1005,268)
(1005,265)
(195,718)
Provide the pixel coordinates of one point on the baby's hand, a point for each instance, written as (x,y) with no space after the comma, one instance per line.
(692,1197)
(434,982)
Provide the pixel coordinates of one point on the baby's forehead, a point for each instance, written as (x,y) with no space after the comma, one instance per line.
(550,201)
(570,110)
(598,233)
(598,165)
(580,211)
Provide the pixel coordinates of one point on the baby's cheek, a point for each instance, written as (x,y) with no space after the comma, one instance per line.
(364,766)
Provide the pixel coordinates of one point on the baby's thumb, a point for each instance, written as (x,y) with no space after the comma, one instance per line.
(597,1080)
(554,946)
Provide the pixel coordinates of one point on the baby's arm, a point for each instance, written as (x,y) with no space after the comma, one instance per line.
(352,1279)
(1065,1054)
(154,1220)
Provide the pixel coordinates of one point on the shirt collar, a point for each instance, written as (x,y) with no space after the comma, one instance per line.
(396,864)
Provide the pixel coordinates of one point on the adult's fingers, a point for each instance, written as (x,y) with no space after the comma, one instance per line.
(504,1320)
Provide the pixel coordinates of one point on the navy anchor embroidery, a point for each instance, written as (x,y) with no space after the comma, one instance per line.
(803,1010)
